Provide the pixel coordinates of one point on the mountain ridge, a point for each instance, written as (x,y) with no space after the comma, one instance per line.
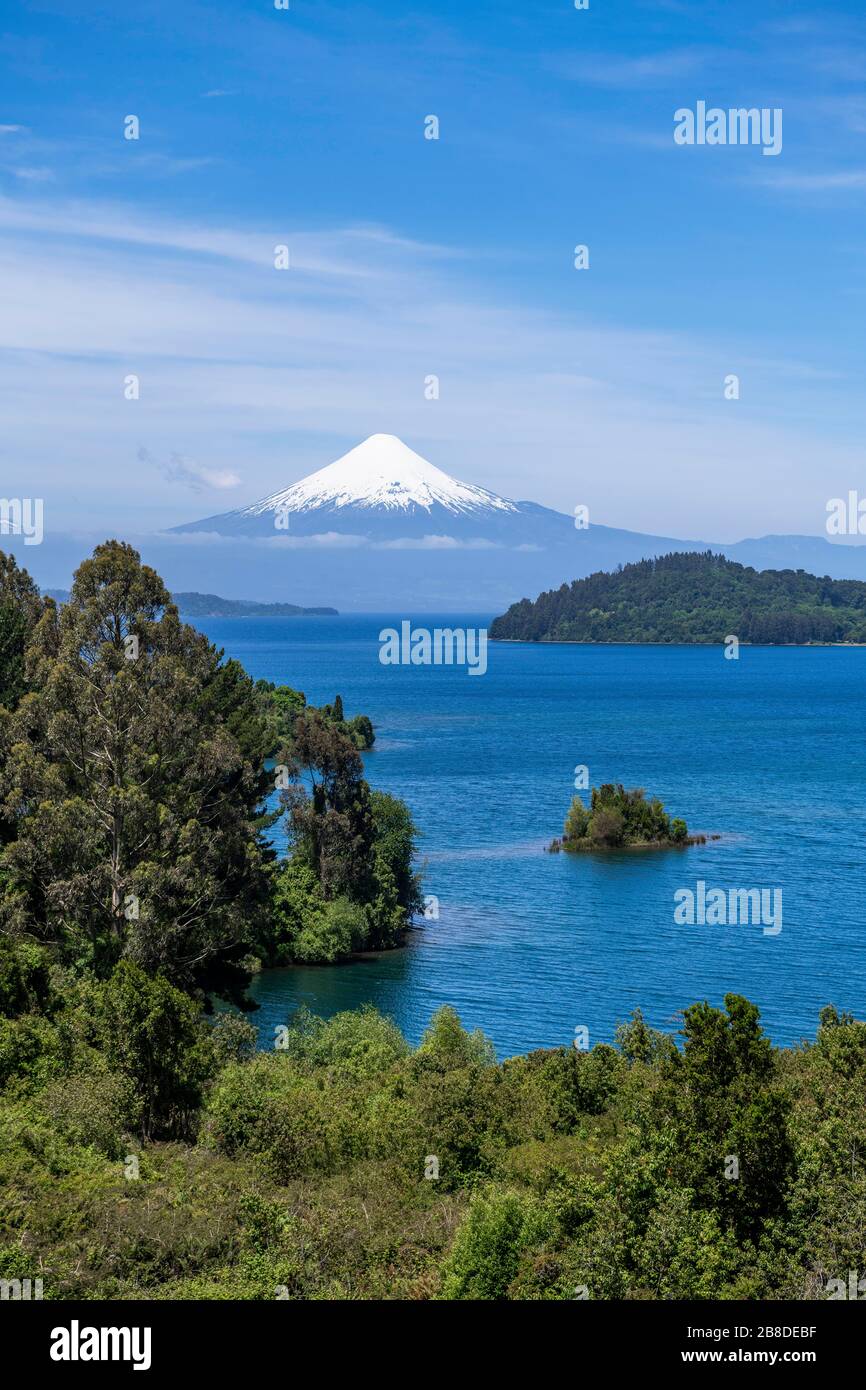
(383,493)
(353,540)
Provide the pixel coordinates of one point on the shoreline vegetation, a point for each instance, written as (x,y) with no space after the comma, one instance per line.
(619,819)
(148,1150)
(590,642)
(692,598)
(345,1164)
(140,775)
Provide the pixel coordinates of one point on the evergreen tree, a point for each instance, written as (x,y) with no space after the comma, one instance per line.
(20,607)
(332,824)
(136,807)
(153,1034)
(732,1147)
(395,846)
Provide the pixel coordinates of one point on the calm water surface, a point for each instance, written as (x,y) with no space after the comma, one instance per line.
(768,750)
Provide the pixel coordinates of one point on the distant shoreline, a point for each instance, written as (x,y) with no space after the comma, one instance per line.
(586,642)
(191,604)
(261,612)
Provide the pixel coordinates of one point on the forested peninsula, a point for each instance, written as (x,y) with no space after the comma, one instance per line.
(194,605)
(695,598)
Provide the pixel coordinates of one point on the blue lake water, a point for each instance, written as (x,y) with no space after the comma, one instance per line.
(769,751)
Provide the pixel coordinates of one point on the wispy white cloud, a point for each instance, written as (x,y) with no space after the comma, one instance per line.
(434,543)
(31,173)
(825,181)
(267,375)
(325,540)
(630,72)
(193,475)
(325,253)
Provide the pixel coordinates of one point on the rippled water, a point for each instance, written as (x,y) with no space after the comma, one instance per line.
(769,751)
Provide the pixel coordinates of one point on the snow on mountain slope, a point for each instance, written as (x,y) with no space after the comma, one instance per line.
(381,472)
(382,522)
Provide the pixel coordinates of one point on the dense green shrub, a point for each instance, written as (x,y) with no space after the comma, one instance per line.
(24,978)
(154,1035)
(486,1254)
(94,1109)
(617,818)
(344,1164)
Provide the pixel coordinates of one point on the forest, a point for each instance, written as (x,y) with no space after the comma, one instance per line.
(142,776)
(154,1146)
(691,597)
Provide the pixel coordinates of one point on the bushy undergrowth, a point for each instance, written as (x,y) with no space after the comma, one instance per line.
(146,1152)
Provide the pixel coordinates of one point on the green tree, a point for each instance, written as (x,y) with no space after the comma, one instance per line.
(577,821)
(20,609)
(395,841)
(25,985)
(732,1148)
(154,1035)
(280,706)
(333,933)
(488,1248)
(331,825)
(446,1044)
(607,827)
(136,809)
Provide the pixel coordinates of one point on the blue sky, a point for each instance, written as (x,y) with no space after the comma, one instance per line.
(413,257)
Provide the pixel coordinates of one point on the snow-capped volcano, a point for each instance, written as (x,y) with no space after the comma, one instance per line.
(384,492)
(383,527)
(381,472)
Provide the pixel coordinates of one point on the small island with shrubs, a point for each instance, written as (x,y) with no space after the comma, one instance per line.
(621,819)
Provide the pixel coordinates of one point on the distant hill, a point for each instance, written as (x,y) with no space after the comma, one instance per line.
(691,598)
(212,606)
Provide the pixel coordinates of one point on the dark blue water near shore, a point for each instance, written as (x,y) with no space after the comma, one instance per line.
(768,750)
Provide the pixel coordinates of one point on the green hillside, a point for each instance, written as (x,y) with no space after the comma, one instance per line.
(691,597)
